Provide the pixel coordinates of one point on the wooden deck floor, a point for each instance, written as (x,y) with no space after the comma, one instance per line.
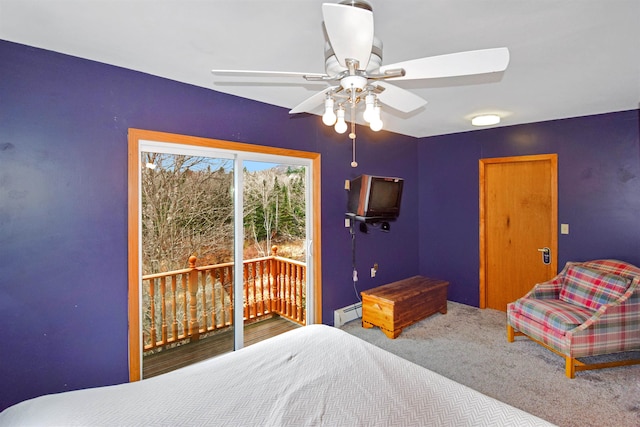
(222,342)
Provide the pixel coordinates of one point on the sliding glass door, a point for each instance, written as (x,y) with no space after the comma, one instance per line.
(224,240)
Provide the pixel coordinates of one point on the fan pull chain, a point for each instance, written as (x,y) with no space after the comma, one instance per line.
(354,164)
(352,135)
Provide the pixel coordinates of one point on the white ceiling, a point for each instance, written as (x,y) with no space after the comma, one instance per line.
(569,58)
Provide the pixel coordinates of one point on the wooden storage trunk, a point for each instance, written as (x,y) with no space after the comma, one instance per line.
(396,305)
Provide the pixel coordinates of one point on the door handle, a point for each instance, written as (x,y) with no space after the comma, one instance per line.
(546,255)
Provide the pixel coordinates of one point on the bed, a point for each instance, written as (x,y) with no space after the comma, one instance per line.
(314,375)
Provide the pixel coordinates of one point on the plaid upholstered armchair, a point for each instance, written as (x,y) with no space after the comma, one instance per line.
(591,308)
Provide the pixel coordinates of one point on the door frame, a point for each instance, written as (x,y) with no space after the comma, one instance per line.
(553,158)
(134,268)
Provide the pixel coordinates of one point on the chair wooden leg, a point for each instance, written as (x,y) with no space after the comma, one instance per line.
(570,367)
(572,364)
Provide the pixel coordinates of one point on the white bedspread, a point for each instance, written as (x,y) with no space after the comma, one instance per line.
(315,375)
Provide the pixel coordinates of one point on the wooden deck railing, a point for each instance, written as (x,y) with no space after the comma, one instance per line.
(185,303)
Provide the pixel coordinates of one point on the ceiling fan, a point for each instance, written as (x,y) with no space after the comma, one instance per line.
(354,70)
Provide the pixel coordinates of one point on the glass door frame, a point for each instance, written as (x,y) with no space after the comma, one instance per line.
(240,152)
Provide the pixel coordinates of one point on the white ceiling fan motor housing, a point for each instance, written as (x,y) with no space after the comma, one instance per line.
(333,68)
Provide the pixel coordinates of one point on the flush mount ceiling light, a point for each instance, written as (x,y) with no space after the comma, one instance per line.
(485,120)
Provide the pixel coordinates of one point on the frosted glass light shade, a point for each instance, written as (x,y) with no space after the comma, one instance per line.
(485,120)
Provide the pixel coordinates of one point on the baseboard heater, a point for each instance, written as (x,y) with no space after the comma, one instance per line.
(347,314)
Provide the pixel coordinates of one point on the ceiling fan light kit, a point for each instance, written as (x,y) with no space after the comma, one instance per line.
(354,71)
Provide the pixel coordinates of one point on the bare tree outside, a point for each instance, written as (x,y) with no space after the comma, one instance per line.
(188,265)
(274,211)
(187,209)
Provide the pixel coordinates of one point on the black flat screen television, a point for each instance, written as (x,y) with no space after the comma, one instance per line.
(375,197)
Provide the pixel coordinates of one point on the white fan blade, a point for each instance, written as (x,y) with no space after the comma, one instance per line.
(454,64)
(251,73)
(350,32)
(399,99)
(312,102)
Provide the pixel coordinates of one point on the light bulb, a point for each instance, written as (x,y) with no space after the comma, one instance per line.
(329,117)
(341,125)
(376,122)
(368,114)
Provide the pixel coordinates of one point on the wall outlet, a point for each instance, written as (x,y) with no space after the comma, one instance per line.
(374,270)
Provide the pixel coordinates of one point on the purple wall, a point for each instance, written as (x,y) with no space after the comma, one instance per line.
(63,206)
(63,203)
(598,192)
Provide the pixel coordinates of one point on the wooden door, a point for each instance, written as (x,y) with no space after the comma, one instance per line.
(518,219)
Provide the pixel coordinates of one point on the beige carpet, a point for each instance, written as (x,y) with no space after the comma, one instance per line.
(469,345)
